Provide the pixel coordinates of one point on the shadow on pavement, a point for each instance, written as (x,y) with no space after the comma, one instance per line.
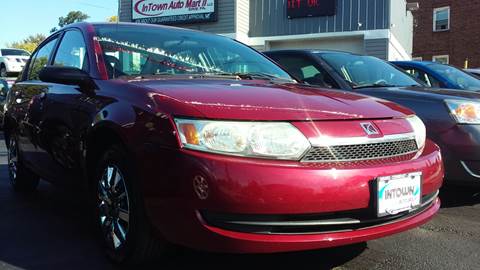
(48,229)
(51,229)
(317,259)
(457,196)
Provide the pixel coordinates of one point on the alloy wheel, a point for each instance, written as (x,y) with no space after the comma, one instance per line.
(114,207)
(13,160)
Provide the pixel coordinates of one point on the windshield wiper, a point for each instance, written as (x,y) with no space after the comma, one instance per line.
(227,75)
(374,85)
(249,75)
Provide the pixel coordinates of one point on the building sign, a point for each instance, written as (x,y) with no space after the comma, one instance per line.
(310,8)
(174,11)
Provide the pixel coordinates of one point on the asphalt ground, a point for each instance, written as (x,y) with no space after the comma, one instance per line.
(50,229)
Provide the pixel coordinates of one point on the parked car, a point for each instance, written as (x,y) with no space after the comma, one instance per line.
(4,88)
(10,82)
(440,75)
(452,117)
(12,61)
(475,72)
(195,139)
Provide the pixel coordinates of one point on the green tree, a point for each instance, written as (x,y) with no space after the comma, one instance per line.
(72,17)
(29,43)
(112,18)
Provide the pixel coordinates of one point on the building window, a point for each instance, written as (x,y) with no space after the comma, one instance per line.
(441,19)
(417,58)
(441,59)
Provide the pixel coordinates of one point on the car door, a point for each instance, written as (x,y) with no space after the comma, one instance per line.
(62,115)
(27,107)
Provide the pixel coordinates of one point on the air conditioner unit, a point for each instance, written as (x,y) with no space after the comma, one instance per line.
(413,6)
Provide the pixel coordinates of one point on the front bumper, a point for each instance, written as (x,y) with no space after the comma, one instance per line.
(14,67)
(461,150)
(258,187)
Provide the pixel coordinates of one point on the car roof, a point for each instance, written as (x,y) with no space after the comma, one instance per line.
(415,63)
(310,51)
(86,25)
(472,69)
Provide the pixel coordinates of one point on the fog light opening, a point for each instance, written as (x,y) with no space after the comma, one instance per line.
(200,187)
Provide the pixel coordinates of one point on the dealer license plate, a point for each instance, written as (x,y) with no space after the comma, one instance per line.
(398,193)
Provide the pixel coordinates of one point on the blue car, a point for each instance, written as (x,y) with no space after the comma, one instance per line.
(440,75)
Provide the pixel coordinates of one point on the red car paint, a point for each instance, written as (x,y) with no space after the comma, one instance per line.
(257,100)
(140,112)
(252,186)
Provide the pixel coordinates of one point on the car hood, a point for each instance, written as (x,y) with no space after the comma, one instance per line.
(425,92)
(263,100)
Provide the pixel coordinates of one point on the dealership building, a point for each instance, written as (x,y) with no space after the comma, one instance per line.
(382,28)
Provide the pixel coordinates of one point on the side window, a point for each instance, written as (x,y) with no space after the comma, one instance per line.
(306,70)
(434,82)
(420,75)
(72,51)
(40,60)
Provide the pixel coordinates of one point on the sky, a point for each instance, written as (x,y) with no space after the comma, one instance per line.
(21,18)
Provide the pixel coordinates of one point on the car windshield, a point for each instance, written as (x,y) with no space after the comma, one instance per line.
(143,51)
(456,76)
(13,52)
(367,71)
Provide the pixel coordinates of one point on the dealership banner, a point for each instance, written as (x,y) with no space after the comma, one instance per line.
(310,8)
(174,11)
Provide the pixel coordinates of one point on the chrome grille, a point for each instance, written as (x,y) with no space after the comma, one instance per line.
(359,152)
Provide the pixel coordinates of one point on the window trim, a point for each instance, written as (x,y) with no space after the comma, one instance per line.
(435,10)
(435,57)
(26,70)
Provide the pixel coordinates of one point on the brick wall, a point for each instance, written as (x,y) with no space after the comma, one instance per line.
(461,42)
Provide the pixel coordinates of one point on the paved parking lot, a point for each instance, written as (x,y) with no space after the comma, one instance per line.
(50,230)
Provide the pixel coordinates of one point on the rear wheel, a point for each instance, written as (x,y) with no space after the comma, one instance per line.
(123,226)
(21,178)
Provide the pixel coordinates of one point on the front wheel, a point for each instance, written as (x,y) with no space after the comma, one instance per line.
(21,178)
(123,226)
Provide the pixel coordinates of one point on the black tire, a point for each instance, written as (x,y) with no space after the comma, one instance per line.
(21,178)
(140,244)
(3,71)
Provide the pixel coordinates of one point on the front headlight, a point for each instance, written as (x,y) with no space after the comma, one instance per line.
(275,140)
(419,129)
(464,111)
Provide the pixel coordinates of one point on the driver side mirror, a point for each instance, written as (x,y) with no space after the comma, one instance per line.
(68,76)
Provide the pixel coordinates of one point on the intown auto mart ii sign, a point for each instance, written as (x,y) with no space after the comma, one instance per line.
(174,12)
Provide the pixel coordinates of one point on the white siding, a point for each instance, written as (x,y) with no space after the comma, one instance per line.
(243,16)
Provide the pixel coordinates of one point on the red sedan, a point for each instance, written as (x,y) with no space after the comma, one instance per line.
(195,139)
